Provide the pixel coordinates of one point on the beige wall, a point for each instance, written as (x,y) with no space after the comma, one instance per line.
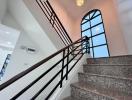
(114,33)
(125,15)
(66,20)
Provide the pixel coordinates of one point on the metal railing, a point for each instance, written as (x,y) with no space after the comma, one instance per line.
(48,11)
(81,47)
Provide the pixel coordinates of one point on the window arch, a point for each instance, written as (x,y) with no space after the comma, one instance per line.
(92,26)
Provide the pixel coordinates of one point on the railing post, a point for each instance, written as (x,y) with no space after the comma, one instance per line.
(87,45)
(67,64)
(63,62)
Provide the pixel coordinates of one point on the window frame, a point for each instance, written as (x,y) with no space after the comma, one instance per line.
(91,27)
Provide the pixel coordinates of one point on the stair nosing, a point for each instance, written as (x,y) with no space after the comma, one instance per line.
(79,87)
(122,56)
(108,76)
(129,65)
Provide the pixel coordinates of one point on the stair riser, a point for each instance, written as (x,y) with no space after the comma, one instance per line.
(120,60)
(119,71)
(80,94)
(112,84)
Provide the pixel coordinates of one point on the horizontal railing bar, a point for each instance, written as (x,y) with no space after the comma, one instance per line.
(47,84)
(15,78)
(62,79)
(49,20)
(75,63)
(52,78)
(31,84)
(59,21)
(73,46)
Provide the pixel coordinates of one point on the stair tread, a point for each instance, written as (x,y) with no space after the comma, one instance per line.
(120,56)
(70,98)
(116,77)
(112,94)
(128,65)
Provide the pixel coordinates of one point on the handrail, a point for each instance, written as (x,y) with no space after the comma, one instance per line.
(49,12)
(66,52)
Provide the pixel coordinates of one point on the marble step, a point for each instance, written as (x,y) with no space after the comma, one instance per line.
(82,91)
(127,60)
(111,83)
(111,70)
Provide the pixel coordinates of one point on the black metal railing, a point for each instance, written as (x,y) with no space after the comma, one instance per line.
(54,20)
(81,47)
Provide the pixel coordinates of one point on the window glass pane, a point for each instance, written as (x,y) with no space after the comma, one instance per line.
(84,21)
(96,20)
(91,52)
(86,33)
(87,17)
(85,26)
(90,41)
(101,51)
(99,39)
(98,29)
(91,14)
(97,13)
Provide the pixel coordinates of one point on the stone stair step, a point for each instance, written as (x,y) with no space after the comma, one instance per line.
(83,91)
(112,70)
(111,60)
(111,83)
(69,98)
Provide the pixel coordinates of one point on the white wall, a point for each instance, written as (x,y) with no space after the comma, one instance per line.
(21,60)
(124,8)
(2,9)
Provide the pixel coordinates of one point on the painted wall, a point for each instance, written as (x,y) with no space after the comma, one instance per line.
(125,15)
(113,30)
(2,9)
(67,21)
(21,60)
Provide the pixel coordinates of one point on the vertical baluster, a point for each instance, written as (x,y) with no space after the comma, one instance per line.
(87,45)
(67,64)
(63,62)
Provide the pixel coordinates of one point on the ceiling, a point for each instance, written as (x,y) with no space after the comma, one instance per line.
(74,11)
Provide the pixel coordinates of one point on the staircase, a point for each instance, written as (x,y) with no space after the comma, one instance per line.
(104,79)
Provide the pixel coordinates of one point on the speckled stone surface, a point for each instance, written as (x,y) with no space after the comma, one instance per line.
(104,79)
(112,70)
(83,91)
(70,98)
(112,60)
(107,82)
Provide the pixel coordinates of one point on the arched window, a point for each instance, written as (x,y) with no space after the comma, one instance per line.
(92,26)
